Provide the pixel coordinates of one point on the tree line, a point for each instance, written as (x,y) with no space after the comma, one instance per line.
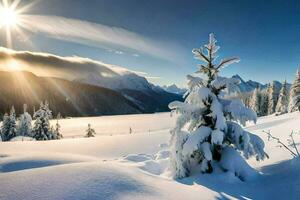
(41,128)
(269,101)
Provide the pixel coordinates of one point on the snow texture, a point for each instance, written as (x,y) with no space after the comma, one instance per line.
(97,168)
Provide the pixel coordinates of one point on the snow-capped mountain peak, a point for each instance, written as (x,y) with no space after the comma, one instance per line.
(174,89)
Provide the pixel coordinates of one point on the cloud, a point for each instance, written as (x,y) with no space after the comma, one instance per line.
(98,35)
(44,64)
(119,52)
(135,55)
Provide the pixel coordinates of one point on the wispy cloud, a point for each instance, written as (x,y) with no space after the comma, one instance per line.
(99,35)
(45,64)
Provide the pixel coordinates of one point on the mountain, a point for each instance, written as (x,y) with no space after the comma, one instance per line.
(147,96)
(67,97)
(250,85)
(174,89)
(152,100)
(127,80)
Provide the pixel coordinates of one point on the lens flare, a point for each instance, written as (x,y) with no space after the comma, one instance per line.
(8,17)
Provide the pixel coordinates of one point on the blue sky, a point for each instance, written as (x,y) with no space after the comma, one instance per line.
(264,34)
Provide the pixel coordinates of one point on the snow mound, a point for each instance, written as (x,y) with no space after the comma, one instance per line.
(84,180)
(22,138)
(155,164)
(155,167)
(163,154)
(16,163)
(137,157)
(233,162)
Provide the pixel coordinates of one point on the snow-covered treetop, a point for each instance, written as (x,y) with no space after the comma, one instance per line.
(208,54)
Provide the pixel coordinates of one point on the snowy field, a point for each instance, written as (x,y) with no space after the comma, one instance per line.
(119,165)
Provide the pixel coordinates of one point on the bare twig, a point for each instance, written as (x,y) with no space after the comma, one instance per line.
(293,143)
(282,144)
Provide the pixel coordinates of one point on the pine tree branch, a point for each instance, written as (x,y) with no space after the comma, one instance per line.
(227,61)
(199,53)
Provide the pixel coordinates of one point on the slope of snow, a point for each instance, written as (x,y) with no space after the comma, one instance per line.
(119,165)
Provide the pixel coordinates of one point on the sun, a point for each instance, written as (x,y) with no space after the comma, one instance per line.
(9,17)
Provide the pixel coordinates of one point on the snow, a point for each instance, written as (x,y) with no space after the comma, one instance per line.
(194,140)
(21,138)
(233,162)
(119,165)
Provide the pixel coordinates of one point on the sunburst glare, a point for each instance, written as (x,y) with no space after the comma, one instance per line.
(8,17)
(11,18)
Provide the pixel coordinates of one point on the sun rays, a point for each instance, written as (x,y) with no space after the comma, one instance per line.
(12,19)
(8,17)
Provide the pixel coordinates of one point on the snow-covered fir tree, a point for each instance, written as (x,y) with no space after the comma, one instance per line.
(90,132)
(264,103)
(24,126)
(294,102)
(13,123)
(5,127)
(283,101)
(41,129)
(272,98)
(255,101)
(56,131)
(9,126)
(207,128)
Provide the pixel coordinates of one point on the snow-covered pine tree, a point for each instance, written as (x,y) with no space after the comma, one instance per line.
(9,127)
(90,132)
(24,126)
(5,127)
(294,104)
(272,98)
(41,128)
(264,103)
(205,130)
(255,101)
(56,131)
(283,101)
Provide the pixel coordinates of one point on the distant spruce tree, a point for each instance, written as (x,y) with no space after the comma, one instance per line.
(90,132)
(9,126)
(264,103)
(5,127)
(255,101)
(56,131)
(294,103)
(13,123)
(24,125)
(272,98)
(283,100)
(41,129)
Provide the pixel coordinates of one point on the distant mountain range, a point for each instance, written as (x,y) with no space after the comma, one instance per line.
(148,97)
(67,97)
(250,85)
(95,94)
(174,89)
(242,87)
(75,98)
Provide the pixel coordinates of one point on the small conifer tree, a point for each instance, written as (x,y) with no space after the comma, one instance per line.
(90,132)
